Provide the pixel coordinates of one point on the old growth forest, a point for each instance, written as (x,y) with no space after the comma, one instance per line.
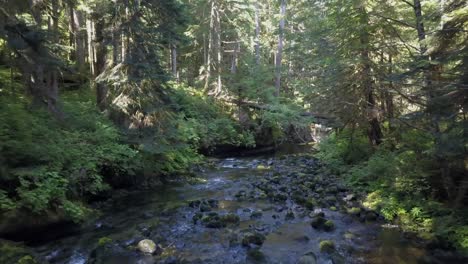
(233,131)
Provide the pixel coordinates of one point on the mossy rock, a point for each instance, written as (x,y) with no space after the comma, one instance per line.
(256,256)
(197,217)
(298,197)
(310,204)
(253,238)
(329,226)
(104,241)
(371,216)
(354,211)
(337,258)
(308,258)
(317,213)
(349,235)
(230,219)
(205,207)
(333,208)
(256,215)
(330,199)
(318,222)
(202,205)
(212,220)
(28,259)
(279,197)
(262,167)
(327,246)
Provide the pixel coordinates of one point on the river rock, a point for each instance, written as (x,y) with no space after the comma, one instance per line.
(212,220)
(371,216)
(256,255)
(349,197)
(354,211)
(318,222)
(337,258)
(327,246)
(256,215)
(253,239)
(308,258)
(289,216)
(309,204)
(146,246)
(230,219)
(329,226)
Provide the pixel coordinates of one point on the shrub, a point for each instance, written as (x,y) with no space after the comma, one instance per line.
(50,164)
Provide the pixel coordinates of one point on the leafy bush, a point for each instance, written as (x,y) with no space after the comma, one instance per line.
(204,123)
(49,164)
(343,149)
(398,182)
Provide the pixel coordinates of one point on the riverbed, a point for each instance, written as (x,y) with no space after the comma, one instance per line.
(240,210)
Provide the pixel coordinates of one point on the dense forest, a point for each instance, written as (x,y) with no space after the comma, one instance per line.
(100,96)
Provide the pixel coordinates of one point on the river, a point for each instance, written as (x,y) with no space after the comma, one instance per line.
(275,197)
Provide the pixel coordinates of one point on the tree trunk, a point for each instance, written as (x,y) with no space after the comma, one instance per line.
(90,31)
(100,62)
(374,131)
(77,37)
(279,54)
(73,31)
(52,80)
(175,74)
(390,109)
(431,110)
(219,85)
(235,58)
(115,45)
(210,47)
(125,52)
(257,34)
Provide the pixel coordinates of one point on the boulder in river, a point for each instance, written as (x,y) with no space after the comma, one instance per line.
(309,204)
(327,246)
(308,258)
(318,222)
(354,211)
(230,219)
(255,255)
(349,197)
(253,239)
(204,205)
(371,216)
(147,246)
(256,215)
(329,226)
(212,220)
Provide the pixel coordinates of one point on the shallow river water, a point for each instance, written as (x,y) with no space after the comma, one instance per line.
(235,186)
